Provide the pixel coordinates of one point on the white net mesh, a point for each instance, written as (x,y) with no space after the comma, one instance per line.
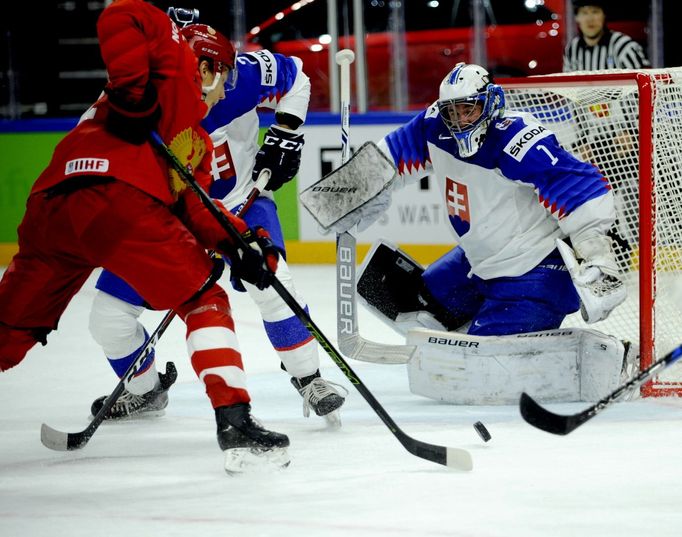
(596,117)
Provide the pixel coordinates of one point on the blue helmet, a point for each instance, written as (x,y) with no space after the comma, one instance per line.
(468,102)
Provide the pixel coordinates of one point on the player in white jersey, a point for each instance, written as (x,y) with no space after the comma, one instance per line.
(264,80)
(510,191)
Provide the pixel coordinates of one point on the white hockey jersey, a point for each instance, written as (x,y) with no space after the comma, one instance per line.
(509,202)
(264,80)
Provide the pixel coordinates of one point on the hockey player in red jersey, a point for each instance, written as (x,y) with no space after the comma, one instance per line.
(265,81)
(107,199)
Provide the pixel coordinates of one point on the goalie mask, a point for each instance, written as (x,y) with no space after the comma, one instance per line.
(468,102)
(210,44)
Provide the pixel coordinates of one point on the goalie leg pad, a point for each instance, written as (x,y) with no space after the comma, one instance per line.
(390,283)
(563,365)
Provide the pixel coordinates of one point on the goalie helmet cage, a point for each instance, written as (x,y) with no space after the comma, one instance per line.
(629,125)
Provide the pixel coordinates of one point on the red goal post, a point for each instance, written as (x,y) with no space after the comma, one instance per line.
(629,125)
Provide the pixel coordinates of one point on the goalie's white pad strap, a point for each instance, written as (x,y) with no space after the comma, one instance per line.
(364,176)
(562,365)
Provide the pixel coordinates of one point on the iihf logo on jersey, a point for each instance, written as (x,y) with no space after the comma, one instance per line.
(87,165)
(457,199)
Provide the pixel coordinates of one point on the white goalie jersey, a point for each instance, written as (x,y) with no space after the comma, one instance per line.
(510,201)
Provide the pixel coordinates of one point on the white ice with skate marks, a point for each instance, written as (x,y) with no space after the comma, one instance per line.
(618,475)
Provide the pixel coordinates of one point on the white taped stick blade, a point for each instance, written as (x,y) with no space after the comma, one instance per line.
(340,192)
(53,439)
(459,459)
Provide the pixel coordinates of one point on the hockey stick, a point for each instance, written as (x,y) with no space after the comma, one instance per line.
(61,441)
(451,457)
(542,418)
(351,343)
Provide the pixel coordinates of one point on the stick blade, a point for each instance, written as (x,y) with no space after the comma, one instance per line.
(541,418)
(455,458)
(61,441)
(459,459)
(54,439)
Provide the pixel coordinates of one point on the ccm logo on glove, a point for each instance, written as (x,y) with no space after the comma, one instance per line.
(281,153)
(288,145)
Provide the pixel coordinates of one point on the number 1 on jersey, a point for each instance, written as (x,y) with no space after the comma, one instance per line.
(552,158)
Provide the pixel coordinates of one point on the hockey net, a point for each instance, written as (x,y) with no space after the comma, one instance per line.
(629,125)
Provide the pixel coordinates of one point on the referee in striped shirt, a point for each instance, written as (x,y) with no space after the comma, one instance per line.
(598,48)
(608,146)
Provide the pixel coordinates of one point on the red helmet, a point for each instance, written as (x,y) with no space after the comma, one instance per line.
(209,43)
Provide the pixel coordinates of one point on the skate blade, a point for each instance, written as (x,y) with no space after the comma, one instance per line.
(333,420)
(134,417)
(253,460)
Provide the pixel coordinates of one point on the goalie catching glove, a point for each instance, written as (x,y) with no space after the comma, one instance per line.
(256,264)
(596,277)
(281,154)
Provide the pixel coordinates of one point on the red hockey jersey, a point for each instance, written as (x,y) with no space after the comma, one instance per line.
(139,43)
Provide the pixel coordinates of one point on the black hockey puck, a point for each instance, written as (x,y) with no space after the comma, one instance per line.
(482,431)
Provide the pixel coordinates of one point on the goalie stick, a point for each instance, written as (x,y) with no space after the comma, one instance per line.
(351,343)
(543,419)
(61,441)
(452,457)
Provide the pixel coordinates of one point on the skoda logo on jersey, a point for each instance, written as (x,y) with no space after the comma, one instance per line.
(519,145)
(268,74)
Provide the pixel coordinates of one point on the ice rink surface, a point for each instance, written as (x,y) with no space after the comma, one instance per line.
(619,475)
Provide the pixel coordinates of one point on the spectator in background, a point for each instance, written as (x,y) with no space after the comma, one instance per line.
(597,47)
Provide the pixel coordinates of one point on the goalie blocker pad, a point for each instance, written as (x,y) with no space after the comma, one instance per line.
(390,284)
(363,177)
(555,366)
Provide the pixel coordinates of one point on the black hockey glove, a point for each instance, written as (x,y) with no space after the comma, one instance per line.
(281,153)
(129,121)
(258,263)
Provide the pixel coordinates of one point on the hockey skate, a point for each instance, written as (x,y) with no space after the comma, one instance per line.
(324,397)
(247,445)
(150,404)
